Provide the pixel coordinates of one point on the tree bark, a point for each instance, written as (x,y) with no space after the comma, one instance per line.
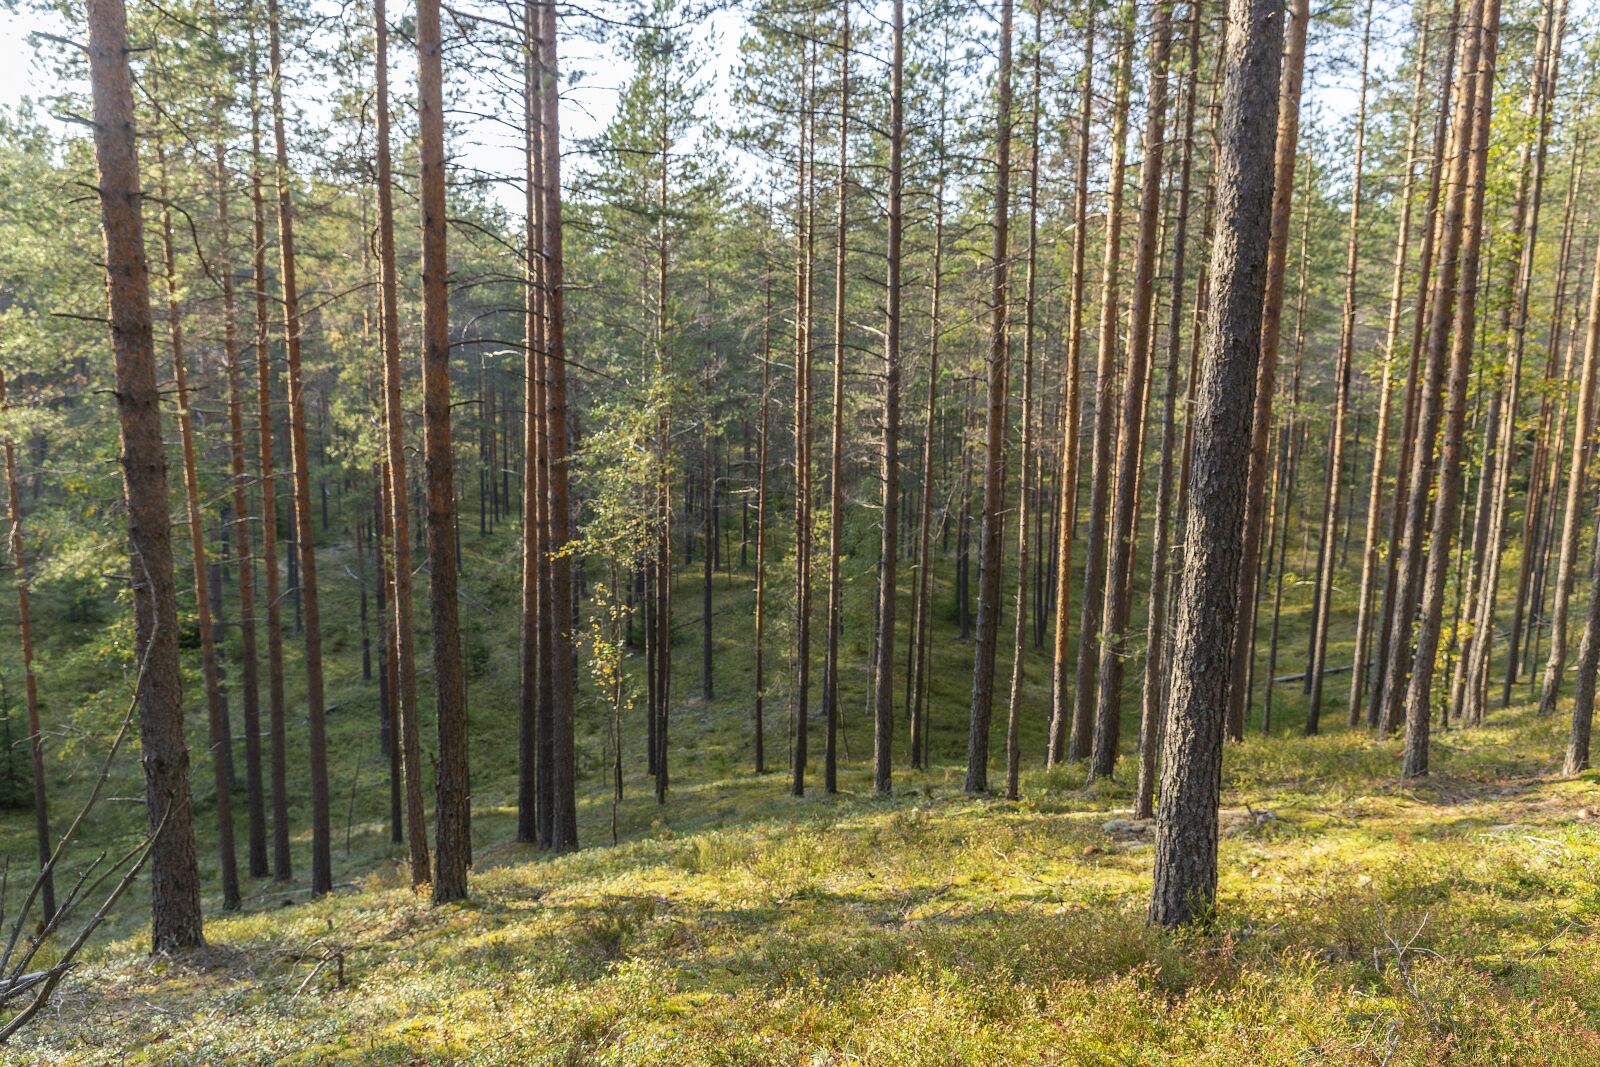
(1105,412)
(1152,706)
(1326,555)
(991,538)
(889,550)
(1061,714)
(1118,591)
(835,608)
(405,692)
(227,861)
(1254,504)
(305,534)
(1186,823)
(174,874)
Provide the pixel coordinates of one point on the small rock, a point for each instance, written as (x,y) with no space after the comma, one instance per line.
(1117,826)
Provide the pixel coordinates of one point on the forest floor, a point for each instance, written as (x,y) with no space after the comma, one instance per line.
(1361,919)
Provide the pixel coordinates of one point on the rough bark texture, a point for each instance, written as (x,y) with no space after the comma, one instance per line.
(563,779)
(1254,504)
(1186,826)
(174,873)
(1152,705)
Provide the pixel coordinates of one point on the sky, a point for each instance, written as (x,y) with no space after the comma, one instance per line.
(588,105)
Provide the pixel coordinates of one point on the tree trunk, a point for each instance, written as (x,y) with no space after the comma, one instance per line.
(835,608)
(1186,823)
(1061,714)
(1152,705)
(1323,593)
(174,873)
(889,551)
(405,692)
(1460,232)
(1288,140)
(564,833)
(991,545)
(1118,591)
(305,535)
(1105,412)
(1025,489)
(19,564)
(227,861)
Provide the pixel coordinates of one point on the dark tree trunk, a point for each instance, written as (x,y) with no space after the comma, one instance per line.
(1186,827)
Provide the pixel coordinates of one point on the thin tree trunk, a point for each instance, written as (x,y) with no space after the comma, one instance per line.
(889,551)
(1118,592)
(1152,709)
(1326,554)
(244,553)
(282,867)
(405,692)
(1025,489)
(19,564)
(1061,714)
(1105,411)
(222,782)
(991,545)
(305,535)
(1461,229)
(835,608)
(1572,521)
(1369,553)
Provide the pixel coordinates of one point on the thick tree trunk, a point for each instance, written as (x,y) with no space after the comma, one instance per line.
(1254,503)
(1186,825)
(174,873)
(991,545)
